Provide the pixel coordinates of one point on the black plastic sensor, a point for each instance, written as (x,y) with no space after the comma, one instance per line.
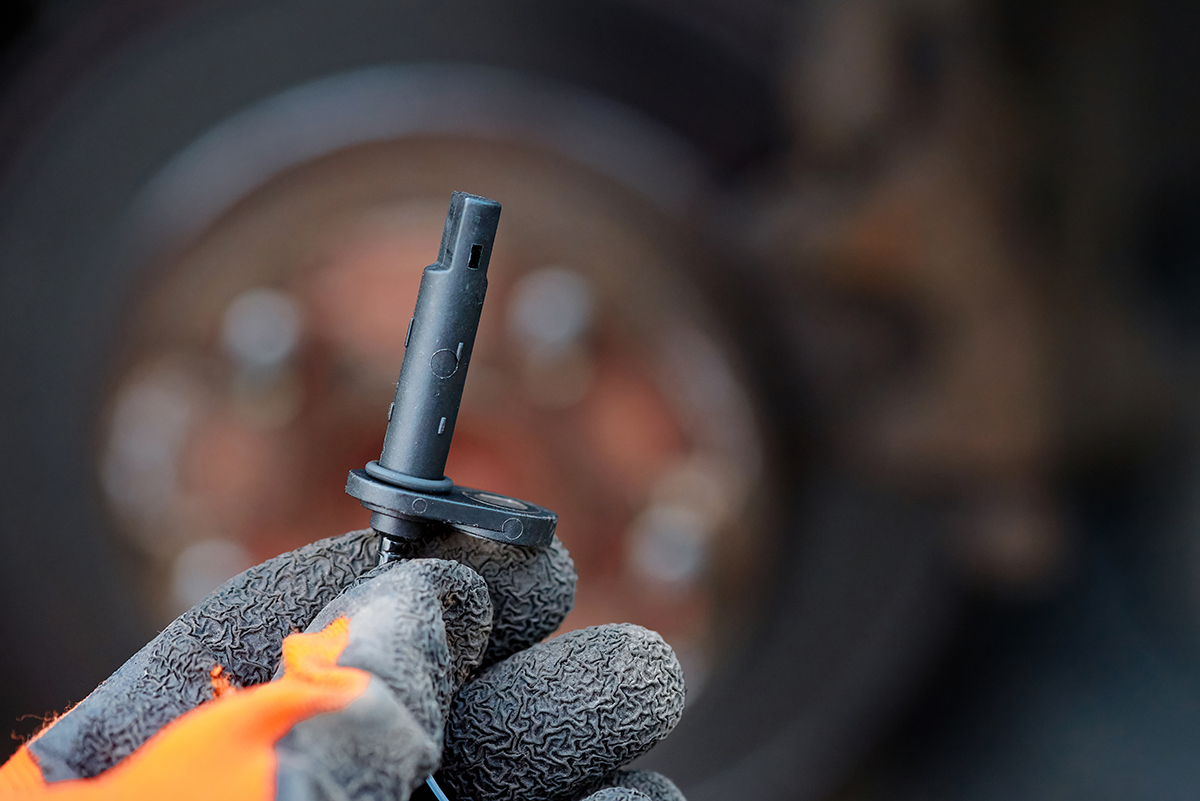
(406,489)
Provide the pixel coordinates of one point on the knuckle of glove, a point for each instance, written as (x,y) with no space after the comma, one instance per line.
(562,715)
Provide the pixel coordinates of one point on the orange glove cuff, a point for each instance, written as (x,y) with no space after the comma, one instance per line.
(222,749)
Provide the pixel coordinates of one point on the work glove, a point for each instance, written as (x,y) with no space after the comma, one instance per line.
(431,663)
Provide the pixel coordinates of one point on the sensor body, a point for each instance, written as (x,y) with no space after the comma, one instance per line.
(406,488)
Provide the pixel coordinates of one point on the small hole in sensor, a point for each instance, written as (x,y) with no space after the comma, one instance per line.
(476,254)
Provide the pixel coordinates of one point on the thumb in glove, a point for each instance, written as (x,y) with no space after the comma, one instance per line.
(419,628)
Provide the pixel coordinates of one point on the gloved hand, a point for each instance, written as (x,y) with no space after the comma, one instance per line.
(438,648)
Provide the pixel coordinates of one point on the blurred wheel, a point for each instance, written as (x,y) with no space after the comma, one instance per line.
(167,331)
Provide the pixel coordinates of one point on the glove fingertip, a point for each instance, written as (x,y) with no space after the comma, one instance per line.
(617,794)
(532,589)
(649,783)
(533,592)
(562,715)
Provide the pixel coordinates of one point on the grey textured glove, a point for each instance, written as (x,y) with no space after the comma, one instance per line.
(453,657)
